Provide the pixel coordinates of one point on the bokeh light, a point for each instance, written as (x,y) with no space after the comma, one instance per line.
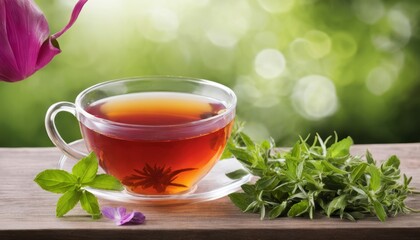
(379,81)
(314,97)
(160,25)
(368,11)
(297,66)
(269,63)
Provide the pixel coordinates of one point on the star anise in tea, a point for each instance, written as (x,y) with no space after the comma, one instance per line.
(157,177)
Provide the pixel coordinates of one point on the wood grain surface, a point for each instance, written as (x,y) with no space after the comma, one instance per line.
(28,212)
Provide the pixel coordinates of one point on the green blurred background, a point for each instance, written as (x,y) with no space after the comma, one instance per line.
(298,67)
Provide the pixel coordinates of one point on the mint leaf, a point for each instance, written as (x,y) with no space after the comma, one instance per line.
(233,140)
(241,200)
(340,149)
(247,141)
(393,161)
(333,168)
(237,174)
(56,181)
(375,178)
(277,210)
(369,158)
(266,182)
(295,152)
(86,168)
(226,153)
(298,208)
(106,182)
(249,189)
(90,204)
(67,202)
(357,172)
(71,184)
(339,202)
(242,155)
(380,211)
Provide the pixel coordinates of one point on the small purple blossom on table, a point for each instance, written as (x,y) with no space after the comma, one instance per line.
(120,216)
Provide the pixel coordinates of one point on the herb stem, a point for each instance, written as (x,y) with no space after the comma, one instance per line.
(414,191)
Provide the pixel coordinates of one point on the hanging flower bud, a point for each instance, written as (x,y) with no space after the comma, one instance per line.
(25,41)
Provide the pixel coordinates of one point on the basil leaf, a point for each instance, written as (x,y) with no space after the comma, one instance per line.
(90,204)
(237,174)
(86,168)
(56,181)
(106,182)
(67,202)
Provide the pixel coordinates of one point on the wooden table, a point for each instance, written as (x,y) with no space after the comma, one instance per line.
(28,212)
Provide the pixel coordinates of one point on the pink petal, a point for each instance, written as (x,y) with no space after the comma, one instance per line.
(47,52)
(23,29)
(109,212)
(132,218)
(115,214)
(24,38)
(120,217)
(74,15)
(50,48)
(125,219)
(138,218)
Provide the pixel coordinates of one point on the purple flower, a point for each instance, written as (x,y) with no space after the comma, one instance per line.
(26,44)
(120,216)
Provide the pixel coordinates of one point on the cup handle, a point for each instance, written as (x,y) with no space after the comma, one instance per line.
(53,132)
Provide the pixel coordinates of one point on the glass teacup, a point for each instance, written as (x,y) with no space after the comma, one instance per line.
(157,135)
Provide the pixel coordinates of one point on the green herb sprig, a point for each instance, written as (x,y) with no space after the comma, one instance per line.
(317,177)
(72,185)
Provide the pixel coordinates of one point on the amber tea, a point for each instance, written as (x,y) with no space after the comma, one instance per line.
(168,161)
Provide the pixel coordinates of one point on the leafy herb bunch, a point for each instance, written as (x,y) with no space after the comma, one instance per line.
(317,177)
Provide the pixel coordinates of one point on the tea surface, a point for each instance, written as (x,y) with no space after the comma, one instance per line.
(156,108)
(164,166)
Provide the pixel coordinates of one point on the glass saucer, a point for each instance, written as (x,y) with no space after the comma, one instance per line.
(213,186)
